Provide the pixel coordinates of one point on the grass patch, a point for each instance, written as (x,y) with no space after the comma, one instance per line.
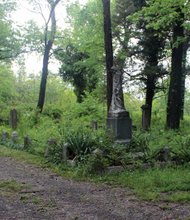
(178,197)
(38,201)
(168,184)
(22,156)
(11,186)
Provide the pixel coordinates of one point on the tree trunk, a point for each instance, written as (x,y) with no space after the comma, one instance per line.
(48,39)
(43,82)
(152,47)
(185,48)
(150,91)
(175,93)
(108,49)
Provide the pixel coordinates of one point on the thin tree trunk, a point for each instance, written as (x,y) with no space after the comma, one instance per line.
(43,82)
(108,49)
(150,91)
(48,46)
(175,93)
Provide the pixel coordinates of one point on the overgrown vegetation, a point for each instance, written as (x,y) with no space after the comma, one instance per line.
(70,133)
(92,152)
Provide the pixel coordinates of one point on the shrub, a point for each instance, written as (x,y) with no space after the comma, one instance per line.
(54,153)
(139,143)
(182,153)
(80,142)
(95,164)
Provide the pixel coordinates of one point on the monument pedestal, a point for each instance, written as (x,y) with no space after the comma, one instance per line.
(120,124)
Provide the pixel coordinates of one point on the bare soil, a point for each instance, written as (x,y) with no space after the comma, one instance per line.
(45,195)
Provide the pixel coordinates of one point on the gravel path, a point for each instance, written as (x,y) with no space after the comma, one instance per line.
(45,195)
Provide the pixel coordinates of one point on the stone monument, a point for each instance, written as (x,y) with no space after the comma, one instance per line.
(119,121)
(146,111)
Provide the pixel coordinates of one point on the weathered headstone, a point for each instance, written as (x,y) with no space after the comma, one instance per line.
(98,152)
(5,136)
(145,117)
(65,155)
(50,143)
(164,154)
(94,125)
(13,118)
(14,137)
(119,121)
(27,142)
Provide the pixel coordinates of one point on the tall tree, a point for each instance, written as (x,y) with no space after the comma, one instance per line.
(81,52)
(175,89)
(108,48)
(75,71)
(148,48)
(49,37)
(184,72)
(170,17)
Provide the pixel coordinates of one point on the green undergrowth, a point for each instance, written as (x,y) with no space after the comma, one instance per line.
(39,161)
(10,186)
(22,156)
(170,184)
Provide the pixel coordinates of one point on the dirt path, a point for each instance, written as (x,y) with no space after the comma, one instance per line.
(44,195)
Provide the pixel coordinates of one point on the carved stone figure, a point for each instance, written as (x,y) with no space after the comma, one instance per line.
(117,103)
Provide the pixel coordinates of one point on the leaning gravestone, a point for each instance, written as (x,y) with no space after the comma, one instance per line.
(119,121)
(13,118)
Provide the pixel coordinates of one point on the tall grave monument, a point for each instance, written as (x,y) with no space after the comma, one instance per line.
(119,121)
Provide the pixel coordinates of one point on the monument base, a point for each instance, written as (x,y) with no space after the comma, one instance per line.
(120,124)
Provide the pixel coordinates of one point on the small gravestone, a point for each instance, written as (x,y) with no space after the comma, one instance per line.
(13,118)
(5,136)
(50,144)
(98,152)
(164,154)
(65,155)
(71,163)
(27,142)
(145,117)
(14,137)
(94,125)
(115,169)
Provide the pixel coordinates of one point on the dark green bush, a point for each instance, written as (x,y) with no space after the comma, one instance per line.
(139,142)
(80,142)
(95,164)
(54,153)
(182,153)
